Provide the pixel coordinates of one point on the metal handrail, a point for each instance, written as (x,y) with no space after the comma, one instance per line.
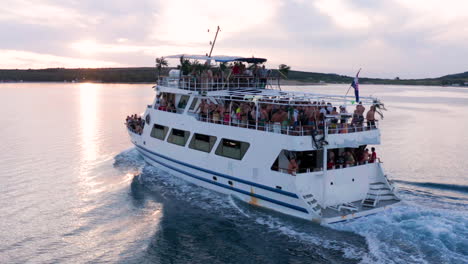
(291,130)
(193,83)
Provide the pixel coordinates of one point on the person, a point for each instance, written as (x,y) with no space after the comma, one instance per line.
(323,110)
(263,119)
(343,113)
(360,115)
(349,158)
(292,166)
(360,109)
(329,108)
(244,114)
(295,114)
(371,118)
(236,69)
(286,121)
(263,74)
(203,108)
(171,107)
(216,114)
(277,119)
(234,116)
(163,103)
(340,161)
(158,101)
(365,156)
(334,121)
(226,114)
(331,160)
(209,75)
(373,157)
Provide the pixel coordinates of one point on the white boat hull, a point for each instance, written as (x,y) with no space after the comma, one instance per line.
(320,195)
(289,202)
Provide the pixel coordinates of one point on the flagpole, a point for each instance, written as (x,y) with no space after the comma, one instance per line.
(351,85)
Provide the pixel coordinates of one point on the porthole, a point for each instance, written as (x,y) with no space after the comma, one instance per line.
(353,179)
(230,183)
(148,119)
(214,178)
(331,183)
(279,187)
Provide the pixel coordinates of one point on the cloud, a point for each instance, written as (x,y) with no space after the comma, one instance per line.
(42,13)
(387,38)
(33,60)
(181,21)
(343,14)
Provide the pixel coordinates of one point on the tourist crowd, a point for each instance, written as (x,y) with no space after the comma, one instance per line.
(287,119)
(135,123)
(235,75)
(351,157)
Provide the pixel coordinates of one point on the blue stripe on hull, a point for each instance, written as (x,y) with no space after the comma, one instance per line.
(268,188)
(294,207)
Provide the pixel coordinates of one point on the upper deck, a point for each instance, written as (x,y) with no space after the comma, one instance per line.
(252,98)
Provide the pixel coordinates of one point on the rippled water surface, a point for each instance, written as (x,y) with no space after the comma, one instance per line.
(73,189)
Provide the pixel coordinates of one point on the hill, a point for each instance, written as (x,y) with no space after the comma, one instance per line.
(148,75)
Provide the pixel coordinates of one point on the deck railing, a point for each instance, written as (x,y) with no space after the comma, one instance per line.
(216,84)
(294,130)
(333,167)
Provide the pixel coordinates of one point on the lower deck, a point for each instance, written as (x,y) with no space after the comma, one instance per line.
(331,215)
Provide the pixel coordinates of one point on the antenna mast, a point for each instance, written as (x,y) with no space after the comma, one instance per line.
(214,41)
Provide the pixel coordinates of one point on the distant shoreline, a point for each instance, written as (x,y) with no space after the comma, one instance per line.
(283,83)
(147,75)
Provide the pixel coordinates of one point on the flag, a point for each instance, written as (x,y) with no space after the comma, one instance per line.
(355,85)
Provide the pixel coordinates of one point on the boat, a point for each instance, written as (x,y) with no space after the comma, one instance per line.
(307,169)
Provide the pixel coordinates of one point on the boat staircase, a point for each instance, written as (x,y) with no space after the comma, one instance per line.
(313,204)
(344,206)
(378,191)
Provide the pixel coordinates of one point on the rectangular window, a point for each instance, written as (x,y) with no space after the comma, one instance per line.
(183,102)
(232,149)
(159,131)
(306,161)
(178,137)
(202,142)
(193,104)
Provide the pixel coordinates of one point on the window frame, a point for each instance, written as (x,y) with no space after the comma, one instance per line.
(165,131)
(243,148)
(211,142)
(170,138)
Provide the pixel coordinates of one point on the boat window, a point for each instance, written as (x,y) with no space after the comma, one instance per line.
(159,131)
(232,149)
(307,161)
(178,137)
(194,103)
(202,142)
(183,101)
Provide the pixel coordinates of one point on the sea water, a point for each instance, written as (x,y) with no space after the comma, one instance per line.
(74,190)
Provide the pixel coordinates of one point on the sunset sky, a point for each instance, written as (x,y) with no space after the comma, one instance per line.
(405,38)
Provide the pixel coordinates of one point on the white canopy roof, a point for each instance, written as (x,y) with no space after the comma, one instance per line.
(219,58)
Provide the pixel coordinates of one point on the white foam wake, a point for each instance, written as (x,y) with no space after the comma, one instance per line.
(412,233)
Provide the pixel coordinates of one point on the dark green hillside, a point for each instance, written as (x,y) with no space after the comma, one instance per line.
(148,74)
(124,75)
